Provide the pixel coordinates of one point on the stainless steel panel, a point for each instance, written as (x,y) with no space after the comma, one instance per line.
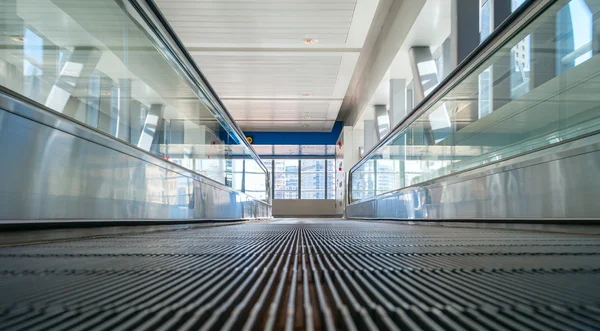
(557,183)
(55,169)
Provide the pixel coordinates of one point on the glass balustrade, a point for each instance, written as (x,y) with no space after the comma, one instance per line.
(93,62)
(538,89)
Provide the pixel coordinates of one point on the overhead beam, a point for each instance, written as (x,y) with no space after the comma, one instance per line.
(391,24)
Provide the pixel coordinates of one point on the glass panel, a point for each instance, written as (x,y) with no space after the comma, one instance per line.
(330,179)
(286,179)
(313,179)
(99,67)
(388,175)
(485,20)
(538,89)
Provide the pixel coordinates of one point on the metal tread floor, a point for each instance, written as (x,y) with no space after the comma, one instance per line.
(305,275)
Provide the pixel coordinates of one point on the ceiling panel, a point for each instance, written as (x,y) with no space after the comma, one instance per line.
(297,107)
(270,76)
(282,126)
(272,22)
(252,53)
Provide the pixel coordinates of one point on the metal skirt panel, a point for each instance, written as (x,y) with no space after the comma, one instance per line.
(557,183)
(50,174)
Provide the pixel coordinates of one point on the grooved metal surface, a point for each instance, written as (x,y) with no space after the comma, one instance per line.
(305,275)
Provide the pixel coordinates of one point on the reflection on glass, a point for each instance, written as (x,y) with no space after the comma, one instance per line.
(538,89)
(100,68)
(485,20)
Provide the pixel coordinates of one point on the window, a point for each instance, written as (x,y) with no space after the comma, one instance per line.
(248,177)
(388,175)
(363,181)
(285,179)
(254,183)
(313,179)
(302,179)
(330,179)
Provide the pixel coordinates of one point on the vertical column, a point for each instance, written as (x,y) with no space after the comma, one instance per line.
(176,132)
(105,110)
(161,137)
(74,74)
(136,118)
(425,79)
(465,29)
(370,136)
(124,110)
(501,10)
(410,97)
(442,59)
(150,127)
(382,122)
(424,71)
(544,53)
(397,110)
(501,69)
(595,8)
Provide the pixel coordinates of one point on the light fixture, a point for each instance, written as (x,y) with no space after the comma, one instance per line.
(307,94)
(310,41)
(19,39)
(306,117)
(305,125)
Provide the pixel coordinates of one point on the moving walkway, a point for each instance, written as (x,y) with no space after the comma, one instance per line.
(109,122)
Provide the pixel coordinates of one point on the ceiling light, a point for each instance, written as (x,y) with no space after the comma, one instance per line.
(307,94)
(305,125)
(310,41)
(17,39)
(306,117)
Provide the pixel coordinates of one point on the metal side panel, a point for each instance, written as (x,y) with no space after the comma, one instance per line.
(562,182)
(54,169)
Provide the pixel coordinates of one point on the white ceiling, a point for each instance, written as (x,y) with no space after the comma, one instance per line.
(251,52)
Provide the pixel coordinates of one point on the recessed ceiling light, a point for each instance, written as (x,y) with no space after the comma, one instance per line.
(17,39)
(306,117)
(310,41)
(305,125)
(307,94)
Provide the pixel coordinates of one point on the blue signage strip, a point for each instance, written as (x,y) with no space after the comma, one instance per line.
(297,138)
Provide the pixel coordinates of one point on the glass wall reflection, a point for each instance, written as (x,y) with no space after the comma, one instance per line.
(538,89)
(90,61)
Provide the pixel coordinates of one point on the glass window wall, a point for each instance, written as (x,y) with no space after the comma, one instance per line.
(302,178)
(285,179)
